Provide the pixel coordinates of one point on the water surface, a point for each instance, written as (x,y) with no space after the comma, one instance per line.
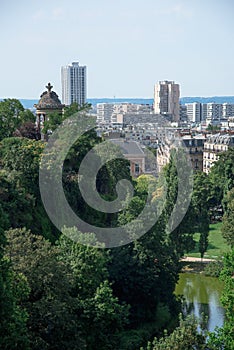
(202,295)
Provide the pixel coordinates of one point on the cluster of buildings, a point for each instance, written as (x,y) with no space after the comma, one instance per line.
(207,113)
(203,149)
(167,104)
(137,127)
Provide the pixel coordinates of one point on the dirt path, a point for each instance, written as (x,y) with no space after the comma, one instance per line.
(191,259)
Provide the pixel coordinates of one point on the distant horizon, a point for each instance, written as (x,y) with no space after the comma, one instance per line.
(128,97)
(29,103)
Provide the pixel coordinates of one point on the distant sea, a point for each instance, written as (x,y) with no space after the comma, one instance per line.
(27,103)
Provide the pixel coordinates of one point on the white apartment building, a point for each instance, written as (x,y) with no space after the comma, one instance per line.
(228,110)
(104,112)
(211,111)
(194,112)
(213,147)
(166,99)
(74,84)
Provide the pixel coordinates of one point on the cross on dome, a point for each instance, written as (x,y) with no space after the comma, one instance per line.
(49,87)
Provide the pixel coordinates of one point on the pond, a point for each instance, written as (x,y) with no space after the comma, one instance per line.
(202,295)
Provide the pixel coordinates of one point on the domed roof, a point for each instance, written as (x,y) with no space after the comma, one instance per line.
(49,100)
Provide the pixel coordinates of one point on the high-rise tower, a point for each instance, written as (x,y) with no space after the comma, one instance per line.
(166,99)
(74,85)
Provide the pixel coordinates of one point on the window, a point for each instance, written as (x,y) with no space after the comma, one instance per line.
(137,168)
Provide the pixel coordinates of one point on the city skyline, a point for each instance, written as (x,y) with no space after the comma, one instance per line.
(127,46)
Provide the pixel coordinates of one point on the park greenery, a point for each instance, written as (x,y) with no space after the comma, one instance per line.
(59,294)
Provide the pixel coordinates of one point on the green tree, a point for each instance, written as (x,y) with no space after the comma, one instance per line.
(228,298)
(222,338)
(222,176)
(26,116)
(28,130)
(145,271)
(228,219)
(19,159)
(181,238)
(88,264)
(203,242)
(13,317)
(12,115)
(213,128)
(200,206)
(184,337)
(103,317)
(15,205)
(53,312)
(196,218)
(55,119)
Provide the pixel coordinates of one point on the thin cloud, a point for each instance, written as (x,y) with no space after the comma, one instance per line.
(39,15)
(56,14)
(177,9)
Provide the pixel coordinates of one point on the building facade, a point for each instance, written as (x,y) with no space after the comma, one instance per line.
(74,84)
(212,111)
(133,152)
(166,99)
(104,112)
(194,112)
(213,147)
(193,146)
(183,113)
(228,110)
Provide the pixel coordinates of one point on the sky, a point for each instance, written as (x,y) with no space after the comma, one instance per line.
(127,46)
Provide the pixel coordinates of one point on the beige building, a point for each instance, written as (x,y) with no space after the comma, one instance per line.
(193,146)
(213,147)
(134,153)
(166,99)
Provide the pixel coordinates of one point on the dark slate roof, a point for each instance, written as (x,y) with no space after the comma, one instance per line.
(129,147)
(49,100)
(193,142)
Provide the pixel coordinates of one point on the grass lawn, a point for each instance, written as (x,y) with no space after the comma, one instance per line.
(217,245)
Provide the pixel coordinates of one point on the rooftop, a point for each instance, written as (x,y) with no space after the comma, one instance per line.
(129,147)
(49,100)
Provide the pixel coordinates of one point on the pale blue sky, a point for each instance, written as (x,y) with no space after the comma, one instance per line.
(127,45)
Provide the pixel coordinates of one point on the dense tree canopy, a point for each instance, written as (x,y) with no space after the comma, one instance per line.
(228,219)
(56,293)
(13,290)
(12,116)
(222,176)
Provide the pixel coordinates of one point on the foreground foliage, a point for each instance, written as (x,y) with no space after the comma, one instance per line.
(59,294)
(184,337)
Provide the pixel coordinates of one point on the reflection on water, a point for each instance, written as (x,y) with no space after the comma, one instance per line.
(202,295)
